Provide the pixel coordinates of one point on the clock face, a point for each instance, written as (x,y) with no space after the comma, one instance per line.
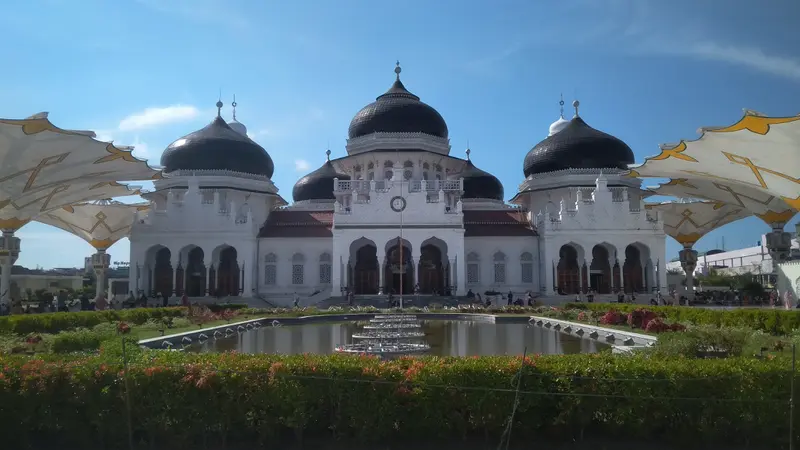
(398,204)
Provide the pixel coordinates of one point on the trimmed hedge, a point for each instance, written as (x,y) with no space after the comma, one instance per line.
(773,321)
(61,321)
(179,400)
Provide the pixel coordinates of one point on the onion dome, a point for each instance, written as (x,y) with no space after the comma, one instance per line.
(561,123)
(479,183)
(318,185)
(217,147)
(577,146)
(235,124)
(397,111)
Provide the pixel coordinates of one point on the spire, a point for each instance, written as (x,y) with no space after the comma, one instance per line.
(328,154)
(234,106)
(219,108)
(560,104)
(397,70)
(576,104)
(468,151)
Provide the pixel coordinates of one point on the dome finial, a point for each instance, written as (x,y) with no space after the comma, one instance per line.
(397,69)
(561,104)
(219,103)
(328,154)
(468,151)
(234,106)
(576,104)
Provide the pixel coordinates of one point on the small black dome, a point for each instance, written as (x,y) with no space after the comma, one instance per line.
(318,185)
(217,147)
(577,146)
(479,184)
(397,111)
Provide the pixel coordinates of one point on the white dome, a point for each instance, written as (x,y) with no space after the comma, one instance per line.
(558,125)
(238,127)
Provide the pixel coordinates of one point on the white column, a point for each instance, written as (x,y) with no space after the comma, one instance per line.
(175,260)
(452,282)
(337,277)
(581,263)
(208,264)
(622,276)
(9,252)
(100,262)
(381,272)
(133,277)
(417,273)
(245,279)
(611,272)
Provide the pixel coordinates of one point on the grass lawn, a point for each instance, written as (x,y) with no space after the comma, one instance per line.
(148,333)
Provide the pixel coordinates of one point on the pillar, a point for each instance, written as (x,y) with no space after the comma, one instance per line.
(452,282)
(612,281)
(381,272)
(209,267)
(779,245)
(688,258)
(100,262)
(417,276)
(622,275)
(9,252)
(175,262)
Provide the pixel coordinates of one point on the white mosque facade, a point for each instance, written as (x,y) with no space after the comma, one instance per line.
(397,214)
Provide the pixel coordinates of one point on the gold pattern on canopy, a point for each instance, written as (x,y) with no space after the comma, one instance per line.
(688,221)
(769,208)
(100,223)
(757,152)
(44,167)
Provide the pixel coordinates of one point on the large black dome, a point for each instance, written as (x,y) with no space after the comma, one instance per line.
(479,183)
(317,185)
(217,147)
(397,111)
(577,146)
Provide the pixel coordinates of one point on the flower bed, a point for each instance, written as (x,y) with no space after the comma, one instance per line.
(60,321)
(181,400)
(773,321)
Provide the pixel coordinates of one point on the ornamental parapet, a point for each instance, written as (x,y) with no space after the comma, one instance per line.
(366,186)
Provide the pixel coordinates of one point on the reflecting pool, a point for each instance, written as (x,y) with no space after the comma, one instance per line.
(446,338)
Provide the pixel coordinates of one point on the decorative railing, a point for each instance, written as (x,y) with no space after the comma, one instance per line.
(216,173)
(365,186)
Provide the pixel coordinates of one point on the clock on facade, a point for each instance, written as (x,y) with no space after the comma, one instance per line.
(398,204)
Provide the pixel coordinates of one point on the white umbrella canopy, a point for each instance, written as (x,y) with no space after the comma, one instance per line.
(35,155)
(771,209)
(16,213)
(687,222)
(757,152)
(100,223)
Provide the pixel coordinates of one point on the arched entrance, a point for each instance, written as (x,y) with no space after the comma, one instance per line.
(600,270)
(195,273)
(228,273)
(365,271)
(568,270)
(162,272)
(632,269)
(399,272)
(431,270)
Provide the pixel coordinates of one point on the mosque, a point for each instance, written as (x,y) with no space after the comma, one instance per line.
(398,214)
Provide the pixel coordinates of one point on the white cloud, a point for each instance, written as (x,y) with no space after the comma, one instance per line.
(751,57)
(301,165)
(153,117)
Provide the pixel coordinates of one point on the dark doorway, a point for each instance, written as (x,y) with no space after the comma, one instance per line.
(228,273)
(399,271)
(365,272)
(568,270)
(632,270)
(195,273)
(600,270)
(431,270)
(162,272)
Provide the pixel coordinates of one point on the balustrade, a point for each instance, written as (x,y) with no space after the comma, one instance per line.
(364,186)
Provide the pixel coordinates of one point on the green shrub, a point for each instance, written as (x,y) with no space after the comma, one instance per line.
(60,321)
(772,321)
(79,340)
(703,339)
(226,306)
(180,400)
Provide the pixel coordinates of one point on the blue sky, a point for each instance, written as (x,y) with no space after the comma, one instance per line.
(145,72)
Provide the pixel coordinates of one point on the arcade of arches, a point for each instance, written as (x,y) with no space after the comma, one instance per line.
(402,270)
(601,271)
(191,276)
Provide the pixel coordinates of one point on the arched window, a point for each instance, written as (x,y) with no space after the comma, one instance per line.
(357,173)
(270,269)
(325,268)
(370,166)
(473,268)
(499,267)
(426,166)
(526,266)
(298,266)
(370,176)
